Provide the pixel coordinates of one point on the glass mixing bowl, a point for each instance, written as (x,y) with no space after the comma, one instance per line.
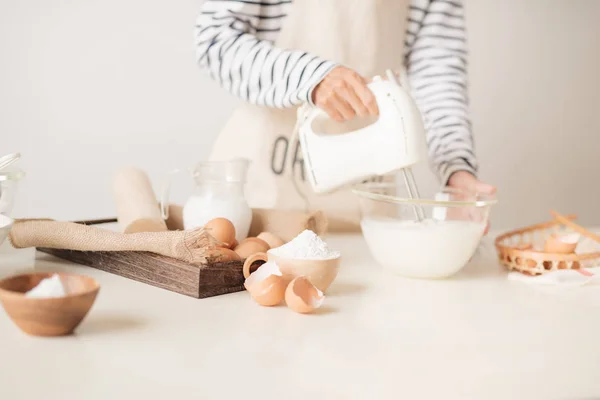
(431,237)
(9,180)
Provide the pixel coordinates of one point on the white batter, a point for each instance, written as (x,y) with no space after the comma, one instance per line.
(428,249)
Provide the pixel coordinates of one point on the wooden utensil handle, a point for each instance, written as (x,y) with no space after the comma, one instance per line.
(576,227)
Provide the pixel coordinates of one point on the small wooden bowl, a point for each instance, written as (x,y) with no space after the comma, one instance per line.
(320,273)
(48,316)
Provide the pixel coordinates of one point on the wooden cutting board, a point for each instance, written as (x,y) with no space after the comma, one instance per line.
(199,281)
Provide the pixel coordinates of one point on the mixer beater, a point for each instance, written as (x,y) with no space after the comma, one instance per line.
(409,179)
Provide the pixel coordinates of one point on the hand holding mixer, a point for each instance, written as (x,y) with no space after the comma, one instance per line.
(388,145)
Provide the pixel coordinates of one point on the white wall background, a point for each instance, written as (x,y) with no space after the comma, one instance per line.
(87,86)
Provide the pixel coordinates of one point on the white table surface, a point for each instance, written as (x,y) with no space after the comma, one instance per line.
(476,336)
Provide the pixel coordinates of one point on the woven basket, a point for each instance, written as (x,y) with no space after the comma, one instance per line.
(522,249)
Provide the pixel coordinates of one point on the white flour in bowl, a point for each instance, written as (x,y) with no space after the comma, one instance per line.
(306,246)
(428,249)
(48,288)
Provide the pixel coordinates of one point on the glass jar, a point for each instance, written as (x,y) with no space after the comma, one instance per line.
(218,193)
(8,189)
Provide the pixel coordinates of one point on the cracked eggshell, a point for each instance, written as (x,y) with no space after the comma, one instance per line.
(564,244)
(266,285)
(302,296)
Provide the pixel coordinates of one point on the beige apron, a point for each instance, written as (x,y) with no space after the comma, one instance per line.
(365,35)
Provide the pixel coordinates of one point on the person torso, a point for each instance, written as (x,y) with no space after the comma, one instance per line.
(365,35)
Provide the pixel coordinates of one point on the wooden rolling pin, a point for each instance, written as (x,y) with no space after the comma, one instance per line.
(283,223)
(136,202)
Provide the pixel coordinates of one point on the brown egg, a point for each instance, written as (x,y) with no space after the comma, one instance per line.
(251,246)
(222,254)
(272,239)
(221,229)
(564,244)
(302,296)
(234,244)
(266,285)
(257,240)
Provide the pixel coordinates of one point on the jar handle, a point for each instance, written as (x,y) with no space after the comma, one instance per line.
(164,196)
(251,260)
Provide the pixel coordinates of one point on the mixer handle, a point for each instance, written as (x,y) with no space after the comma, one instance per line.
(313,113)
(307,114)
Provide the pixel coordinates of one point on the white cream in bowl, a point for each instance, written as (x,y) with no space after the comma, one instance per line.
(427,249)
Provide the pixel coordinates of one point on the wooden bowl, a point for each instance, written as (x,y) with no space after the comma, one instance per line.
(48,316)
(320,273)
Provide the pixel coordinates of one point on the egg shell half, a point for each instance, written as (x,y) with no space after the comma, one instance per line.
(302,296)
(266,285)
(563,244)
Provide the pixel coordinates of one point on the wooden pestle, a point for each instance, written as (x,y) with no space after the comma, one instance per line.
(136,202)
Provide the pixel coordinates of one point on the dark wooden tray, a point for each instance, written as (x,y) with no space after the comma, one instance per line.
(199,281)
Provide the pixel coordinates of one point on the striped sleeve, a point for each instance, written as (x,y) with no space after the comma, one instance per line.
(234,43)
(436,60)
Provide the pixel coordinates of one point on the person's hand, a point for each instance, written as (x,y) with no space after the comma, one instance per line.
(343,94)
(465,181)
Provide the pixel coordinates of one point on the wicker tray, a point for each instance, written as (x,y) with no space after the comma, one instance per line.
(522,249)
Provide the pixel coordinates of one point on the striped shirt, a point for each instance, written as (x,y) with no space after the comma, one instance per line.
(235,44)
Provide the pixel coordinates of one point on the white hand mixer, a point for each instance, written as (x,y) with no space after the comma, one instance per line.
(388,145)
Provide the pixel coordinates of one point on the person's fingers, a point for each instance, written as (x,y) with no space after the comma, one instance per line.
(359,84)
(334,114)
(348,93)
(342,107)
(484,188)
(466,181)
(332,111)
